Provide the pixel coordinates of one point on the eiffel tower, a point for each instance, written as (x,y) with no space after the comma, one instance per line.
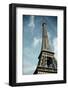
(47,62)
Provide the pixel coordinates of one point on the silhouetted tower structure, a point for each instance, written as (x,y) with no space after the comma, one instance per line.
(47,62)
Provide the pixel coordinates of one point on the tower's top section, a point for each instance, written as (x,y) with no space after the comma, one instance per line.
(45,41)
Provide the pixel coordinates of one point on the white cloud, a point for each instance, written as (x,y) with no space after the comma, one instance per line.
(29,65)
(28,68)
(36,41)
(55,46)
(50,42)
(28,54)
(31,24)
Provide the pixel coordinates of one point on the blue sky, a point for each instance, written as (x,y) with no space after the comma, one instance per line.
(32,40)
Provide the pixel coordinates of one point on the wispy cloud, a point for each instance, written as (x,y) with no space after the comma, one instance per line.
(36,41)
(29,64)
(50,42)
(28,67)
(55,46)
(32,23)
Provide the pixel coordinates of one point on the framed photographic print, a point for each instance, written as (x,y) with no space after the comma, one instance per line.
(37,44)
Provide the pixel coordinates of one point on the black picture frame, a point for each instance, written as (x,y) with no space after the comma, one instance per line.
(12,43)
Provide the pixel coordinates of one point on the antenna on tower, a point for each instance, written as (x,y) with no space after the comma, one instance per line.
(44,20)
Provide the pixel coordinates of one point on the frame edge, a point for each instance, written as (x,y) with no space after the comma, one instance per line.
(12,45)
